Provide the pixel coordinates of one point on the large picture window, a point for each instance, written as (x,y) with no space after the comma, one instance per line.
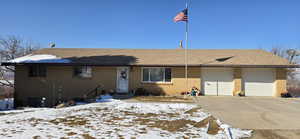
(37,71)
(83,71)
(156,74)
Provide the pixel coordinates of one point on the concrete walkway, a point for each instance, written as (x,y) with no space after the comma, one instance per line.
(254,112)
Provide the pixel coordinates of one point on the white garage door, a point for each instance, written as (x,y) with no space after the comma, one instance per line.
(217,81)
(259,81)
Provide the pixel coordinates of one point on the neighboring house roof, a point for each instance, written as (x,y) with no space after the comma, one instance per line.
(153,57)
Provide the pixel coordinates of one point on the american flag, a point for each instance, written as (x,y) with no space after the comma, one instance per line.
(181,16)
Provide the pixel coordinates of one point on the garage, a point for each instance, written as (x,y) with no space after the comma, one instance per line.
(217,81)
(258,81)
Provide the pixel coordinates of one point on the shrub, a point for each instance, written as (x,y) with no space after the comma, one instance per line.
(241,93)
(295,92)
(153,92)
(286,95)
(141,92)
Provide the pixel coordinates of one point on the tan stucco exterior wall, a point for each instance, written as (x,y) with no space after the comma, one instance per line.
(177,85)
(237,81)
(280,81)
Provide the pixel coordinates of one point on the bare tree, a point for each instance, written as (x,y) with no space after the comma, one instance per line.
(292,56)
(12,47)
(289,54)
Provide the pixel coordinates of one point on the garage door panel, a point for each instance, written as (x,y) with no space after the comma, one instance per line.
(210,88)
(225,88)
(217,81)
(258,82)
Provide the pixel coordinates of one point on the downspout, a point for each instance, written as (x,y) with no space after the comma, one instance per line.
(15,92)
(217,87)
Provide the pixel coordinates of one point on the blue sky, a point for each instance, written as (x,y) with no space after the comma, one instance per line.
(214,24)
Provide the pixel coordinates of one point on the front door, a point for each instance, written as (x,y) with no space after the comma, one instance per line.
(122,79)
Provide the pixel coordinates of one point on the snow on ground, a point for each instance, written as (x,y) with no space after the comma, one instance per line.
(114,119)
(105,98)
(42,58)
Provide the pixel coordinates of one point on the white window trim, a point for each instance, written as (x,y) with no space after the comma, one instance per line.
(85,69)
(160,82)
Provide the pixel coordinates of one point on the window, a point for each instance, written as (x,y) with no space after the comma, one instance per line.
(83,71)
(156,74)
(37,71)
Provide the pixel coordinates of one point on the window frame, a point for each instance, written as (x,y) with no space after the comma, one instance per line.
(164,75)
(37,68)
(78,75)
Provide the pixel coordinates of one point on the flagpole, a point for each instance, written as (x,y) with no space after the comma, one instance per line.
(186,48)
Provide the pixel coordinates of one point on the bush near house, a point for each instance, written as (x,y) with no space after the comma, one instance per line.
(294,91)
(141,92)
(145,92)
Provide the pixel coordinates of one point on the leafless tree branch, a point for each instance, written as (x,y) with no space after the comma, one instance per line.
(292,58)
(12,47)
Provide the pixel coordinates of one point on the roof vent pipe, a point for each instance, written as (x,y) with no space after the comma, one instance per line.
(52,45)
(180,44)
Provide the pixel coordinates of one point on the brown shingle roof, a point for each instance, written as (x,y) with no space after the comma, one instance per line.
(167,57)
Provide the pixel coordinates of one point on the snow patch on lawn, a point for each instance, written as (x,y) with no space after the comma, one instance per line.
(41,58)
(114,119)
(105,98)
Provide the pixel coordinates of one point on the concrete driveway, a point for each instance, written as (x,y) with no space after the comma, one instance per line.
(254,112)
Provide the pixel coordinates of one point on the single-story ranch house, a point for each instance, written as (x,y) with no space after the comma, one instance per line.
(69,72)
